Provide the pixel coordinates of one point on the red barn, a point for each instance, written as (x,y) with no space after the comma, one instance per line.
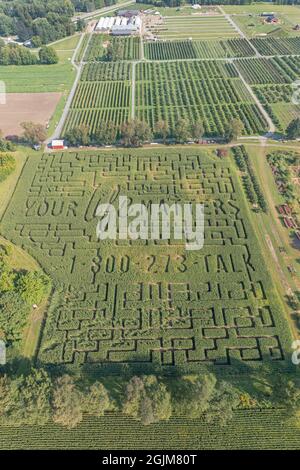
(57,145)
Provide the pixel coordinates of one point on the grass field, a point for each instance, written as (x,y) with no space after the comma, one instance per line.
(37,78)
(195,27)
(127,303)
(248,18)
(285,113)
(260,7)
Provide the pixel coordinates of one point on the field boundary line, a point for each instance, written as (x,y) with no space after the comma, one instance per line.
(59,128)
(270,123)
(238,29)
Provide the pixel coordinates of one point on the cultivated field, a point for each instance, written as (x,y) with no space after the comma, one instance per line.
(103,94)
(130,47)
(210,91)
(147,304)
(21,107)
(249,429)
(173,50)
(275,70)
(195,27)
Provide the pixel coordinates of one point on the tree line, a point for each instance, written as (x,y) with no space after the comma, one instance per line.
(135,133)
(91,5)
(43,19)
(37,398)
(179,3)
(14,54)
(19,291)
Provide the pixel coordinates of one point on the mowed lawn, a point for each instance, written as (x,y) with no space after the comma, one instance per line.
(43,78)
(257,8)
(37,78)
(195,27)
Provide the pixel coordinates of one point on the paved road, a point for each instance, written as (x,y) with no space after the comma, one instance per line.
(93,14)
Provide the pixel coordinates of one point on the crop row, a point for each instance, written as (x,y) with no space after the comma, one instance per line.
(193,90)
(170,71)
(274,70)
(273,93)
(128,48)
(249,429)
(93,117)
(277,46)
(102,95)
(186,49)
(214,118)
(106,71)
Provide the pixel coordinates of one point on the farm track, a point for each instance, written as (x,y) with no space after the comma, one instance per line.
(78,67)
(271,125)
(238,29)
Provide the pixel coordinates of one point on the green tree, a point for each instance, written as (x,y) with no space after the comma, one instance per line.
(33,286)
(224,401)
(32,398)
(162,130)
(36,41)
(293,129)
(106,133)
(197,130)
(79,135)
(96,400)
(233,129)
(14,313)
(6,25)
(66,402)
(182,131)
(48,55)
(115,50)
(80,25)
(147,400)
(7,165)
(193,395)
(134,133)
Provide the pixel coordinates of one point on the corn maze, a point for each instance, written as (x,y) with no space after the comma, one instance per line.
(210,91)
(146,303)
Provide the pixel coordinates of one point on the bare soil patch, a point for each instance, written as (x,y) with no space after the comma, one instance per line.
(20,107)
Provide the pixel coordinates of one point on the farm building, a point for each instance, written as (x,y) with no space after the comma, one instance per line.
(119,26)
(128,13)
(57,145)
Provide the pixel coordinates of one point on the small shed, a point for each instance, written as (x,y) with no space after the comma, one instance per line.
(57,144)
